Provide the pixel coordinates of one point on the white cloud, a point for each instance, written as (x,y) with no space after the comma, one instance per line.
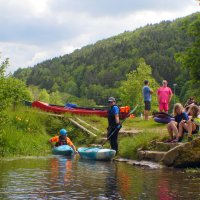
(36,30)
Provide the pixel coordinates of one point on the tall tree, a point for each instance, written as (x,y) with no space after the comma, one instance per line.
(131,89)
(190,59)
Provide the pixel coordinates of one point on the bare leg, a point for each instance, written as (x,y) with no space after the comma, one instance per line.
(172,128)
(181,128)
(189,129)
(146,114)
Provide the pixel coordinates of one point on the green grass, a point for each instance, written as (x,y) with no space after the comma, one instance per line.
(27,131)
(15,142)
(128,146)
(142,124)
(23,134)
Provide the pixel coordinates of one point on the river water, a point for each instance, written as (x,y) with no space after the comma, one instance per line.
(57,177)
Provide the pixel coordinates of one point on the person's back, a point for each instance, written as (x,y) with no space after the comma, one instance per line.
(146,93)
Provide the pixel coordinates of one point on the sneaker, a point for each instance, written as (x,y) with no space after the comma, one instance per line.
(169,140)
(174,141)
(189,138)
(180,139)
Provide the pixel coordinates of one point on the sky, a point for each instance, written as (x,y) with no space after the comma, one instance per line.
(33,31)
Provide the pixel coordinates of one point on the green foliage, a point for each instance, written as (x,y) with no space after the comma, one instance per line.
(129,146)
(12,90)
(23,134)
(96,71)
(190,60)
(131,90)
(27,132)
(43,96)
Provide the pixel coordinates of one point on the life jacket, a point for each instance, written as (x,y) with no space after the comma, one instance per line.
(111,117)
(62,141)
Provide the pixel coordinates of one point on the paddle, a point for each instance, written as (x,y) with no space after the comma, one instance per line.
(131,112)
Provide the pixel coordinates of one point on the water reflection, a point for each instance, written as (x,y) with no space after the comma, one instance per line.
(58,177)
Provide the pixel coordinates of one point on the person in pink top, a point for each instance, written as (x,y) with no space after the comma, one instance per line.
(164,96)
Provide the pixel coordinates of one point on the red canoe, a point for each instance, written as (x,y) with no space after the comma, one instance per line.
(124,111)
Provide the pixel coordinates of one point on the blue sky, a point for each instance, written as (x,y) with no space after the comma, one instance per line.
(36,30)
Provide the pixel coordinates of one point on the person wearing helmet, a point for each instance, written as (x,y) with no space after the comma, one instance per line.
(62,139)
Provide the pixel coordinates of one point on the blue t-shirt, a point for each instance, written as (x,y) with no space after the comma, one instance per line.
(182,116)
(146,93)
(115,110)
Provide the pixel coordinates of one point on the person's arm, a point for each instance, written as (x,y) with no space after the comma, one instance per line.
(157,95)
(51,142)
(151,91)
(117,119)
(70,143)
(74,148)
(170,94)
(170,97)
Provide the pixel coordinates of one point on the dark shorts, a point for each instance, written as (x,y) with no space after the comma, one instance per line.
(147,105)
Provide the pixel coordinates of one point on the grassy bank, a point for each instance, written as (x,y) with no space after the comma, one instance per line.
(27,131)
(24,133)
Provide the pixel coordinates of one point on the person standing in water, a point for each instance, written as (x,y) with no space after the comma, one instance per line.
(113,124)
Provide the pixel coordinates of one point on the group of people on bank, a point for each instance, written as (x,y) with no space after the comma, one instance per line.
(183,123)
(184,116)
(164,96)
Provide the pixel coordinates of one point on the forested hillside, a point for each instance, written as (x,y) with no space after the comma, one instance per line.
(96,71)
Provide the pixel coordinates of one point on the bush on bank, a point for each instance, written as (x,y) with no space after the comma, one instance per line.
(26,132)
(23,133)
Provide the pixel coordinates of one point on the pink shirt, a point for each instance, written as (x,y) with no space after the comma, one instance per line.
(164,94)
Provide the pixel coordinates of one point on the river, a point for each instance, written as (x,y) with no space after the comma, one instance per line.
(57,177)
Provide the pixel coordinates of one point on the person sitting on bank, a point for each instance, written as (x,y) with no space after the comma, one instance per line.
(190,102)
(173,126)
(62,139)
(190,125)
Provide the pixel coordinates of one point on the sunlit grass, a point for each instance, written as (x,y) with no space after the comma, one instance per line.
(24,134)
(28,130)
(129,145)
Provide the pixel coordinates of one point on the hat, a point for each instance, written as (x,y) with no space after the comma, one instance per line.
(111,99)
(63,131)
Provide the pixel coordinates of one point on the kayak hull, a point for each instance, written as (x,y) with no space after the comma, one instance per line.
(96,153)
(75,110)
(163,120)
(64,150)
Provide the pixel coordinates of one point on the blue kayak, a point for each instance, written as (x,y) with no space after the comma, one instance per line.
(64,150)
(95,153)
